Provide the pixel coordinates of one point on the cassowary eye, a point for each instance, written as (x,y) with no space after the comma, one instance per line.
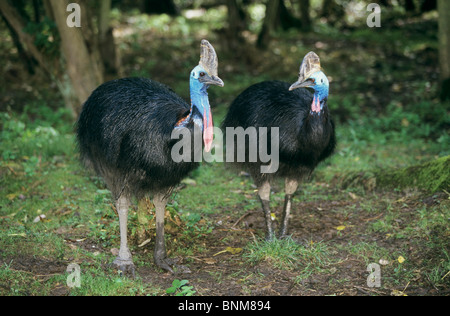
(202,74)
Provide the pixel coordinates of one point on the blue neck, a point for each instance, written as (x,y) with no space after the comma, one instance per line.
(199,94)
(321,93)
(321,87)
(199,97)
(200,100)
(319,99)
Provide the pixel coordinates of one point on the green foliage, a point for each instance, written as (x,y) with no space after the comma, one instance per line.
(181,288)
(21,138)
(431,177)
(46,36)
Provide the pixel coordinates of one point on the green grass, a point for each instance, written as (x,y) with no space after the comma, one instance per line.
(287,254)
(77,206)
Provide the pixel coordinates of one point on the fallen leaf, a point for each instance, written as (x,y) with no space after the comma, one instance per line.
(383,262)
(209,261)
(234,251)
(398,293)
(401,259)
(230,250)
(340,228)
(220,252)
(39,218)
(353,195)
(18,235)
(73,247)
(144,243)
(189,181)
(115,251)
(11,196)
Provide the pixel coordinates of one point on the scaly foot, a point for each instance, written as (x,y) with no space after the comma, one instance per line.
(170,265)
(125,266)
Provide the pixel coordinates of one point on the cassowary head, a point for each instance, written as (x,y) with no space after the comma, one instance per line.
(312,76)
(202,76)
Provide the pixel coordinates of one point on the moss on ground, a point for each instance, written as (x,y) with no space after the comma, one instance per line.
(432,176)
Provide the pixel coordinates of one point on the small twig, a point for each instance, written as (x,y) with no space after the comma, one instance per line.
(35,275)
(241,218)
(254,237)
(12,170)
(373,218)
(367,290)
(405,288)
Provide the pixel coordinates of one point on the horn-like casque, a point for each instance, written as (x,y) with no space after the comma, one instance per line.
(310,65)
(208,58)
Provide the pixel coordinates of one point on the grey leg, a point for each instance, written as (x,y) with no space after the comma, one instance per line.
(161,260)
(124,261)
(160,202)
(264,196)
(290,188)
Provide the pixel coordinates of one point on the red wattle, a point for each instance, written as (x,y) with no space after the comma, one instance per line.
(208,131)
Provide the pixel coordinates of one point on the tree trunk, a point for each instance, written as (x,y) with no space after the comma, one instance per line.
(444,47)
(83,69)
(305,16)
(27,60)
(269,23)
(37,13)
(49,65)
(107,46)
(286,19)
(16,22)
(410,6)
(428,5)
(160,6)
(332,11)
(236,24)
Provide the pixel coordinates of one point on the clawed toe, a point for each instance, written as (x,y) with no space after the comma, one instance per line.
(171,265)
(126,267)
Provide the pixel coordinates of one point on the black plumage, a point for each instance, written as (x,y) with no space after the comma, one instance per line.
(306,135)
(305,140)
(124,133)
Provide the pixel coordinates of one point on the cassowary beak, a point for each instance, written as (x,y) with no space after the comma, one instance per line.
(304,84)
(211,80)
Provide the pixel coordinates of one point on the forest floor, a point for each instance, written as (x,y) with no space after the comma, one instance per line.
(54,213)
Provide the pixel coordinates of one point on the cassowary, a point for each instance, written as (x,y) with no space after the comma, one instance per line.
(124,133)
(306,130)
